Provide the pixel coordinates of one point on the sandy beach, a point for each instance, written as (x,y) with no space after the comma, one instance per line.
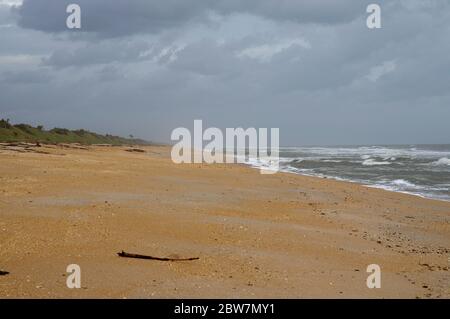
(256,236)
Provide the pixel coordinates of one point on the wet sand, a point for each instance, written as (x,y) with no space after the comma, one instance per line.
(271,236)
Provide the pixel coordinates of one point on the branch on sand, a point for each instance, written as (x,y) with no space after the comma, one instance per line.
(124,254)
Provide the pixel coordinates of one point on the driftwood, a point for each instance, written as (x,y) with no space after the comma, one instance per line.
(124,254)
(3,273)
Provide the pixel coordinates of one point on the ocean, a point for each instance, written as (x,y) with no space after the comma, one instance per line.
(422,170)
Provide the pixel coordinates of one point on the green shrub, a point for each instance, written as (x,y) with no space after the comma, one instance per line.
(62,131)
(5,123)
(25,127)
(80,132)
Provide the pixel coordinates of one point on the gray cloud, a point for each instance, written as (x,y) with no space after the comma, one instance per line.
(26,77)
(315,71)
(110,18)
(98,53)
(125,17)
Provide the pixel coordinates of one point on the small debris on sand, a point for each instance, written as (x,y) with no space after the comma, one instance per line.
(138,150)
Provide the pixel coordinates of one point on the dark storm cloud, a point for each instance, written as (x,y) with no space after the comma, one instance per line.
(98,53)
(308,11)
(26,77)
(311,68)
(109,18)
(125,17)
(218,61)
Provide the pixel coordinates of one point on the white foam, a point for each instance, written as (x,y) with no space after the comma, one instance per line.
(403,183)
(371,162)
(444,161)
(370,151)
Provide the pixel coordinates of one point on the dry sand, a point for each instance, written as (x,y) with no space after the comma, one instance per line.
(281,236)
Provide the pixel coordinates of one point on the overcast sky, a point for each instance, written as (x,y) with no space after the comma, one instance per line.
(311,68)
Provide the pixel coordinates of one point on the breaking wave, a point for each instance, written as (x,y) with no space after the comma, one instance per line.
(422,170)
(442,161)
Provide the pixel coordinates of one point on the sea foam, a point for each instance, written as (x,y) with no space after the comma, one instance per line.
(371,162)
(444,161)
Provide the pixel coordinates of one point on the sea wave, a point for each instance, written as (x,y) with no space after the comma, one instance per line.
(421,170)
(372,162)
(444,161)
(370,151)
(403,183)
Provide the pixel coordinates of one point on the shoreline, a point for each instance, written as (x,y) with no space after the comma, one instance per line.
(257,236)
(368,186)
(341,179)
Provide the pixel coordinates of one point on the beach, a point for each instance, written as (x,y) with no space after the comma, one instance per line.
(256,236)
